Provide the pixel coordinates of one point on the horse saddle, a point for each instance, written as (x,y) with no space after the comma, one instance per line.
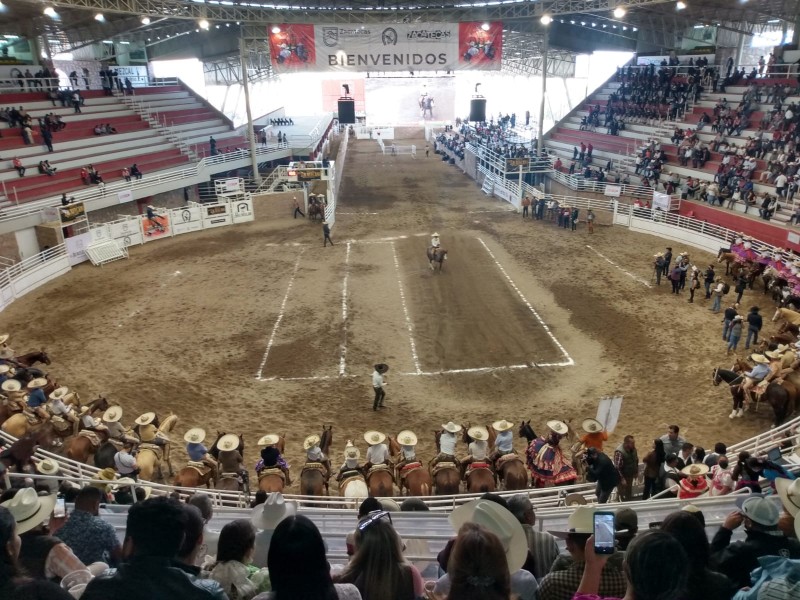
(478,466)
(380,468)
(512,456)
(315,466)
(199,466)
(60,423)
(409,468)
(345,482)
(154,448)
(91,436)
(230,475)
(442,466)
(272,471)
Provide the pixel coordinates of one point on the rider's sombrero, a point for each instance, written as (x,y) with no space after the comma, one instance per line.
(59,393)
(351,452)
(11,385)
(695,470)
(268,440)
(48,466)
(502,425)
(452,427)
(374,437)
(435,234)
(195,435)
(574,499)
(310,442)
(4,338)
(773,354)
(5,369)
(230,442)
(558,427)
(324,222)
(759,358)
(783,348)
(146,418)
(381,368)
(407,438)
(35,384)
(591,425)
(658,254)
(478,433)
(113,414)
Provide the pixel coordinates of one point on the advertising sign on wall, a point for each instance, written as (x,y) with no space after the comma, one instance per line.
(186,219)
(127,231)
(72,213)
(242,211)
(76,247)
(386,47)
(157,227)
(216,215)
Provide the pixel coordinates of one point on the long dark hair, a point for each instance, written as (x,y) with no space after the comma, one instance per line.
(686,528)
(235,540)
(661,454)
(656,566)
(478,569)
(298,568)
(9,567)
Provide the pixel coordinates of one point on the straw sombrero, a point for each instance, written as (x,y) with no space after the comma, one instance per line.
(407,438)
(4,338)
(48,466)
(695,470)
(268,440)
(591,425)
(351,451)
(146,418)
(759,358)
(558,427)
(452,427)
(228,442)
(59,393)
(773,354)
(310,442)
(195,435)
(478,433)
(502,425)
(113,414)
(11,385)
(374,437)
(35,384)
(5,369)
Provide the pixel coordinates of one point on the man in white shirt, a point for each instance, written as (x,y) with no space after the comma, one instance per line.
(377,453)
(447,444)
(125,462)
(780,184)
(378,383)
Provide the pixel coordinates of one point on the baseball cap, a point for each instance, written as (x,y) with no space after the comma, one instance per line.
(760,510)
(626,519)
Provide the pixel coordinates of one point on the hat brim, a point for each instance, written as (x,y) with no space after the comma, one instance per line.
(782,486)
(267,516)
(517,550)
(46,505)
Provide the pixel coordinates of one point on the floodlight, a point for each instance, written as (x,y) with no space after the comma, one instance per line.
(100,17)
(680,5)
(485,27)
(275,29)
(619,12)
(546,19)
(145,20)
(204,24)
(50,12)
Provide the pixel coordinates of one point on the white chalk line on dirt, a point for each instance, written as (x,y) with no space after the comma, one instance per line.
(409,325)
(343,351)
(280,314)
(568,359)
(612,263)
(480,370)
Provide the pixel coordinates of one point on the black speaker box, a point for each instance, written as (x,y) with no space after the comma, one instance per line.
(477,110)
(347,112)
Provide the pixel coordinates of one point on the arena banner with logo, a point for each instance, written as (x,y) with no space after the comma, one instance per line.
(128,231)
(158,227)
(242,211)
(186,219)
(216,215)
(387,47)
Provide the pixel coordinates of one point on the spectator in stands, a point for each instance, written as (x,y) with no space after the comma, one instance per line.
(212,146)
(100,129)
(703,583)
(478,567)
(154,534)
(672,440)
(266,517)
(626,525)
(760,518)
(298,567)
(110,129)
(47,138)
(77,101)
(210,536)
(671,475)
(626,461)
(655,568)
(18,166)
(27,134)
(232,569)
(190,553)
(541,544)
(136,172)
(46,169)
(91,538)
(653,463)
(126,173)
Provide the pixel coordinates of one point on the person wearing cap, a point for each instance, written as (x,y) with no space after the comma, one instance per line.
(504,441)
(125,462)
(378,383)
(377,453)
(734,331)
(447,445)
(667,260)
(658,267)
(314,454)
(197,452)
(752,377)
(595,434)
(626,525)
(435,242)
(737,560)
(326,234)
(626,461)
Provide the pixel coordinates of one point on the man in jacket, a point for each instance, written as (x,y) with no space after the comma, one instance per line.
(601,470)
(626,461)
(754,324)
(763,538)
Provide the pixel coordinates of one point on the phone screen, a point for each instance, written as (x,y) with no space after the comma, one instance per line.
(60,509)
(604,532)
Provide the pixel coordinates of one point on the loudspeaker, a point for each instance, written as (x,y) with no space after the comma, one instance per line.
(477,110)
(347,112)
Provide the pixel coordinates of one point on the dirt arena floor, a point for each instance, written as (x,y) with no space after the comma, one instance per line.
(257,328)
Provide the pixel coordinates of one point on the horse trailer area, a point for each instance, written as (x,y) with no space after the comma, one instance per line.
(385,304)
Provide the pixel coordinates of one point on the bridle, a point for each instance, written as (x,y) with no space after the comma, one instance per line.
(716,379)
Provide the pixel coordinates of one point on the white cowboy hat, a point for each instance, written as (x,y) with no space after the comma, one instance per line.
(351,451)
(229,441)
(146,418)
(195,435)
(773,354)
(29,509)
(35,384)
(502,425)
(452,427)
(558,427)
(407,438)
(580,521)
(113,414)
(59,393)
(759,358)
(789,491)
(269,440)
(5,369)
(500,522)
(11,385)
(435,234)
(48,466)
(591,425)
(324,222)
(4,338)
(310,442)
(695,470)
(783,348)
(374,437)
(272,512)
(127,481)
(478,433)
(574,499)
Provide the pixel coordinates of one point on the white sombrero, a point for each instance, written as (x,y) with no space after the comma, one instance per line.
(48,466)
(351,451)
(452,427)
(374,437)
(268,440)
(759,358)
(695,470)
(272,512)
(435,234)
(35,384)
(558,427)
(502,425)
(195,435)
(11,385)
(29,509)
(59,393)
(146,418)
(5,369)
(789,491)
(126,482)
(113,414)
(478,433)
(591,425)
(310,442)
(227,442)
(501,522)
(4,338)
(407,438)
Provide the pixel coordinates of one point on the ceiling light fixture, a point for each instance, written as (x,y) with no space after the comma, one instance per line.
(99,17)
(680,5)
(485,26)
(276,29)
(145,20)
(204,24)
(50,12)
(546,19)
(619,12)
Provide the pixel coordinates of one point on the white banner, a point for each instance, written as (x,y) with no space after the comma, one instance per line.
(242,211)
(50,214)
(185,220)
(216,215)
(615,191)
(128,231)
(76,247)
(99,232)
(661,201)
(125,196)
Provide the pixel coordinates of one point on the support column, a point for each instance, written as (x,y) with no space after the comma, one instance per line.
(540,139)
(251,137)
(737,59)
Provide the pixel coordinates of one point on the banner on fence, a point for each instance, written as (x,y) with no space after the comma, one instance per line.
(216,215)
(488,185)
(661,201)
(127,231)
(187,219)
(76,247)
(50,214)
(125,196)
(614,191)
(513,164)
(72,213)
(242,211)
(386,47)
(156,228)
(503,193)
(99,232)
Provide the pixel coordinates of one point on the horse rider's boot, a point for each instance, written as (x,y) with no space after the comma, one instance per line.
(733,414)
(739,412)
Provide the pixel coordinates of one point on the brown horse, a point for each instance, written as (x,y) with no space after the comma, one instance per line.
(446,478)
(230,480)
(776,395)
(18,455)
(273,479)
(81,448)
(512,472)
(380,482)
(314,476)
(32,358)
(480,479)
(436,255)
(414,477)
(194,477)
(149,459)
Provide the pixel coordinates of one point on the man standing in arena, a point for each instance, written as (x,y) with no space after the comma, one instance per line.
(326,233)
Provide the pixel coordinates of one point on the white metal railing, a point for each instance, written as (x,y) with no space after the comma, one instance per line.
(580,183)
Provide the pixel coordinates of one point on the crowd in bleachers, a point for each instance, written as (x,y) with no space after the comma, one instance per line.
(453,141)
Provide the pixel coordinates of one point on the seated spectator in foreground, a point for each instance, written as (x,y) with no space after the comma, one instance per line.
(266,517)
(298,567)
(91,538)
(478,567)
(541,544)
(210,536)
(154,534)
(703,583)
(189,553)
(233,569)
